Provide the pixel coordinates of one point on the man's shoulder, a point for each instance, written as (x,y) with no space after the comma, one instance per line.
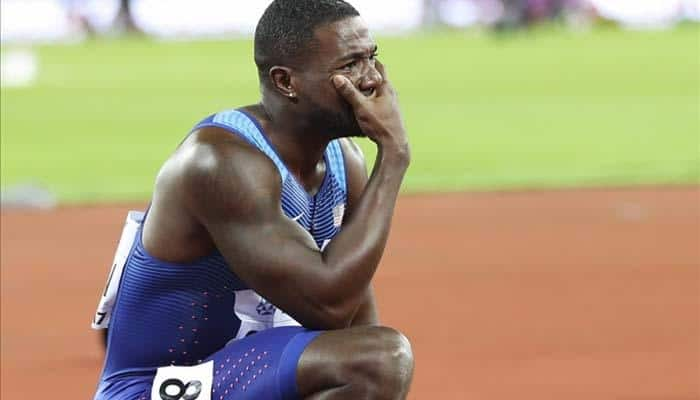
(232,119)
(212,160)
(214,172)
(353,155)
(214,150)
(349,146)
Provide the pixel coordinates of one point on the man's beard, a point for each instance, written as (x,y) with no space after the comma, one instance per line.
(336,123)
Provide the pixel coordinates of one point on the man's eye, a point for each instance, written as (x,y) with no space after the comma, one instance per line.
(350,65)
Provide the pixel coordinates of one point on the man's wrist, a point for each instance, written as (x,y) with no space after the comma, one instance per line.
(397,154)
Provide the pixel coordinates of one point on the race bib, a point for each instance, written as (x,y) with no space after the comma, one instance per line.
(183,383)
(109,295)
(284,319)
(257,314)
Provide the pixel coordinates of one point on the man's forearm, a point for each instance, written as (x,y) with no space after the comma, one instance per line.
(355,252)
(368,313)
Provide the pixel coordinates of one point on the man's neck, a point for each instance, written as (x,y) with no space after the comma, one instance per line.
(300,146)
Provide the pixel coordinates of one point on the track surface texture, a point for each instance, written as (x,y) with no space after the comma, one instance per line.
(577,294)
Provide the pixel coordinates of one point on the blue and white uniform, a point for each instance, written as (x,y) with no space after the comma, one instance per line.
(202,316)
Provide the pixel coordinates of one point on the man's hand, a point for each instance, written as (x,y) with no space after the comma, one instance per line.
(378,115)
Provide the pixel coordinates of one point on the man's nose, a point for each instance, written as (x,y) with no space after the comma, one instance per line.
(371,79)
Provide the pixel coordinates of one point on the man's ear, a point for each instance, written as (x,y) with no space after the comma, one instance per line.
(281,78)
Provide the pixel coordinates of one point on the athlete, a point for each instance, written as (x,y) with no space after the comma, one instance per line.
(248,278)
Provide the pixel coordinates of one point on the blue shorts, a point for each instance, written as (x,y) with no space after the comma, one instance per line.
(262,366)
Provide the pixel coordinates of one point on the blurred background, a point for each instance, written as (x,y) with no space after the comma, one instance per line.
(497,93)
(549,244)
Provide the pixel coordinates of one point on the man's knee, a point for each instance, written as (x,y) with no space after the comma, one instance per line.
(361,362)
(393,349)
(387,361)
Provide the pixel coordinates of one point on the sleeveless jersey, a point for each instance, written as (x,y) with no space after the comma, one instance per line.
(179,314)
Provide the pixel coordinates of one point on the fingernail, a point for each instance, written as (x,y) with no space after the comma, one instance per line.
(338,81)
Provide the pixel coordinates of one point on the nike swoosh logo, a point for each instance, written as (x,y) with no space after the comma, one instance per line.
(298,217)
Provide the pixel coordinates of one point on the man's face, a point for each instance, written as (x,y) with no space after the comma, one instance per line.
(344,48)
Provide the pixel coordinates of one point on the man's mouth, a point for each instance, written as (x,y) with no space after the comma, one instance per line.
(368,92)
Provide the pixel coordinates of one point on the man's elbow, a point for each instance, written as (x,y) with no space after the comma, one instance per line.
(331,317)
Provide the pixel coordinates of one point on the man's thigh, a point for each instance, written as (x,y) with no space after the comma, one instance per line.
(260,366)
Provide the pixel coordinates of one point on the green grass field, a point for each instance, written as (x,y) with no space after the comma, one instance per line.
(547,108)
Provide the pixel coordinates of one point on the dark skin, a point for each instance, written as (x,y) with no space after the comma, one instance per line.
(219,192)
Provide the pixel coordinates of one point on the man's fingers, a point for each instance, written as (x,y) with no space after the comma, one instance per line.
(385,86)
(381,68)
(347,90)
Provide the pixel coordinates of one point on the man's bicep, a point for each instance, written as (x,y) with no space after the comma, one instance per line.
(263,249)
